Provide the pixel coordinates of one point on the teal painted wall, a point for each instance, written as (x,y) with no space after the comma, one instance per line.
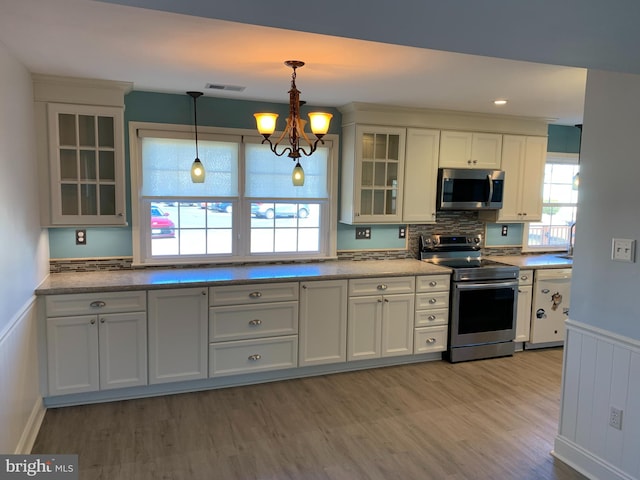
(174,109)
(383,237)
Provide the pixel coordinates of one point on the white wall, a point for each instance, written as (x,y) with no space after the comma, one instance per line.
(24,257)
(602,354)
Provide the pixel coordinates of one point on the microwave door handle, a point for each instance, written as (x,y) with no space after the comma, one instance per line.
(490,181)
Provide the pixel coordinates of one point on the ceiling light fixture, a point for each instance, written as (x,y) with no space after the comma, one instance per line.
(500,102)
(294,129)
(197,169)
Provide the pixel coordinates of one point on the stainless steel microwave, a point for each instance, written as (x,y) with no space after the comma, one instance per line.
(470,189)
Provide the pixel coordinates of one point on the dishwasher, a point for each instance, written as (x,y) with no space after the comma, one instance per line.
(549,307)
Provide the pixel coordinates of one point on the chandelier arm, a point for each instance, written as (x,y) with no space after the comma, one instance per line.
(312,147)
(273,147)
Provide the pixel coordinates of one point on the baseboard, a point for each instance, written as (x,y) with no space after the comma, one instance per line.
(585,462)
(31,429)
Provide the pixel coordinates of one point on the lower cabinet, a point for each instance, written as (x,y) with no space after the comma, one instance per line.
(177,334)
(323,322)
(380,325)
(523,316)
(96,351)
(432,313)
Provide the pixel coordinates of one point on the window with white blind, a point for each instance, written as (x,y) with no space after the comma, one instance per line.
(247,209)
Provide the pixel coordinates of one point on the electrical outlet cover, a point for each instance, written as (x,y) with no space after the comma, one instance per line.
(623,250)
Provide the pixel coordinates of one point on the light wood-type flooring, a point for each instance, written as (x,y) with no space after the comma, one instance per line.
(490,419)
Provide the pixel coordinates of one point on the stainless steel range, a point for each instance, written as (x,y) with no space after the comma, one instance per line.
(483,301)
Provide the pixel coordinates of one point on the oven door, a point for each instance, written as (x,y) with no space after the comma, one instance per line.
(483,312)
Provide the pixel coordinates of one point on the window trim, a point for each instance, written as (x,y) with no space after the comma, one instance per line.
(141,253)
(558,158)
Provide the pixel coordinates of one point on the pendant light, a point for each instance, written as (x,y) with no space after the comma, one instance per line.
(298,175)
(197,168)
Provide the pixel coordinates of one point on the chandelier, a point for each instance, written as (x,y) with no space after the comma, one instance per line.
(294,129)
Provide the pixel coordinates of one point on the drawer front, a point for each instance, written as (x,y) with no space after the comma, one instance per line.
(428,301)
(525,277)
(253,321)
(432,283)
(247,356)
(430,339)
(95,303)
(255,293)
(427,318)
(378,286)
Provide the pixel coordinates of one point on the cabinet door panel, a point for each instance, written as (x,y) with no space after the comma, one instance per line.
(177,335)
(523,318)
(397,325)
(123,350)
(364,328)
(72,353)
(420,175)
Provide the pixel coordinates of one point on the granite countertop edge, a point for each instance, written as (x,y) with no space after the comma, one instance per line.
(534,261)
(154,279)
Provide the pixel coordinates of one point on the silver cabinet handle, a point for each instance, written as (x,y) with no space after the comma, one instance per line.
(432,283)
(255,294)
(432,301)
(524,277)
(431,317)
(431,340)
(255,322)
(379,300)
(545,290)
(93,321)
(97,304)
(304,286)
(386,300)
(254,358)
(203,292)
(102,320)
(519,291)
(382,287)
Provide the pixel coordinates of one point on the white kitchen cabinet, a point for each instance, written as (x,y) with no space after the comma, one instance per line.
(420,175)
(372,174)
(431,313)
(86,165)
(470,150)
(380,325)
(550,306)
(323,322)
(523,316)
(89,351)
(178,322)
(523,161)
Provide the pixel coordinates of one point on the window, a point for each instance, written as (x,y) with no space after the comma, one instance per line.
(247,209)
(559,207)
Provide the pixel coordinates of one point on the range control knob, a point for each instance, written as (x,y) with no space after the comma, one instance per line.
(476,240)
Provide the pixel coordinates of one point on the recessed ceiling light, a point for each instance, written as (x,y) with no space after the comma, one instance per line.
(499,102)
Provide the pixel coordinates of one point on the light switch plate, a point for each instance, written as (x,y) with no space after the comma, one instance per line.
(623,250)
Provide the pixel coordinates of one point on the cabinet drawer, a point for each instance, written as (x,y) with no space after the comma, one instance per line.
(430,339)
(245,356)
(253,321)
(255,293)
(432,283)
(91,303)
(427,318)
(525,277)
(428,301)
(377,286)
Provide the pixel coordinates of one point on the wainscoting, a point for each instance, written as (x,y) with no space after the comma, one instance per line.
(21,408)
(601,370)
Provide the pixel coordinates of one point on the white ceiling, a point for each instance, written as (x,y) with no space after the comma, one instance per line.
(173,52)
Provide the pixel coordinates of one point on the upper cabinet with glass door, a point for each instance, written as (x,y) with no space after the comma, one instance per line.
(372,173)
(86,165)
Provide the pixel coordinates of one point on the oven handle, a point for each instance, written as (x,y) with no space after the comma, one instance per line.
(490,180)
(486,284)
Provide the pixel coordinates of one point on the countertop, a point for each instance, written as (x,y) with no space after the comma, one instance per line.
(534,261)
(154,278)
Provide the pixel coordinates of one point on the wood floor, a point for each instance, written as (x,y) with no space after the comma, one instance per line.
(488,419)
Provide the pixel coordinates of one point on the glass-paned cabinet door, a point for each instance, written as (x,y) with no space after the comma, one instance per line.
(86,154)
(381,166)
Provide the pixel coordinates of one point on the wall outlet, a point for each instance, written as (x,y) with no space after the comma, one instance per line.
(615,418)
(81,237)
(623,250)
(505,230)
(402,231)
(363,233)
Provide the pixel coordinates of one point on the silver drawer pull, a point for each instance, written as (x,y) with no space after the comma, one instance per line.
(93,321)
(255,294)
(431,317)
(382,287)
(97,304)
(255,322)
(524,277)
(432,301)
(545,290)
(433,284)
(102,320)
(431,340)
(255,357)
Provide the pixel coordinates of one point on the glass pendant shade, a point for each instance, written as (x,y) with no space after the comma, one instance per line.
(320,122)
(197,171)
(298,175)
(266,122)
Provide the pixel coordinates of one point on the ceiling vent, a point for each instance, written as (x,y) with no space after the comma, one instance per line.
(230,88)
